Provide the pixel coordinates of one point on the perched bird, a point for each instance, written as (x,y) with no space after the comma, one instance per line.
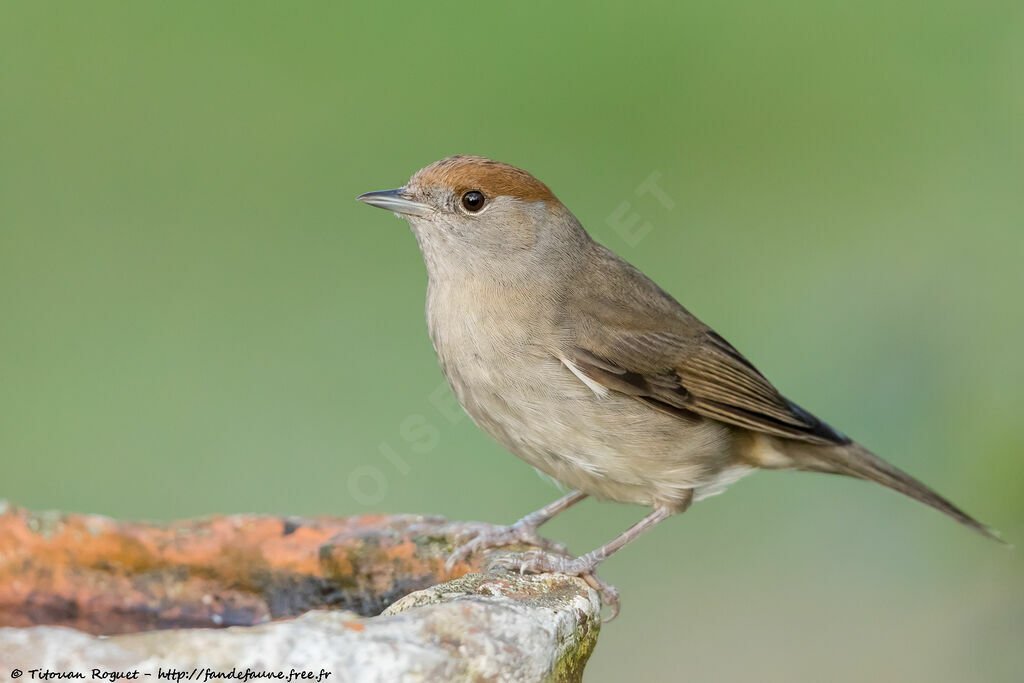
(583,367)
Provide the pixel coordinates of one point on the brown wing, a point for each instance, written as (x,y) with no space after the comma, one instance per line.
(626,333)
(693,371)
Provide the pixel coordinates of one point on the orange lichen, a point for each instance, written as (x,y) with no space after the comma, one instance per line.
(105,576)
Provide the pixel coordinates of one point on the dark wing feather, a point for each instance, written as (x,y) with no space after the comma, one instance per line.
(699,372)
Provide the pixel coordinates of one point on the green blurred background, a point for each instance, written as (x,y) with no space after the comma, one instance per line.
(198,318)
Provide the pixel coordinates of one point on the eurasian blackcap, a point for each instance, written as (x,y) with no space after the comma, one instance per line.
(583,367)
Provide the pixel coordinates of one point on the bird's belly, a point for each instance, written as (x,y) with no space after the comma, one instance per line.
(610,446)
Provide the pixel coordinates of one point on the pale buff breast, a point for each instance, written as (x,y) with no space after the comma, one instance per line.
(589,439)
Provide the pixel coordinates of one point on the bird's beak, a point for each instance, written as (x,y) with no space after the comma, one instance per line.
(397,201)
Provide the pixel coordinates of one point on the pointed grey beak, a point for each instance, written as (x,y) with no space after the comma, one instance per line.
(394,200)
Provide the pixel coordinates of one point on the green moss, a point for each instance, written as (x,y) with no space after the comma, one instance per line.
(569,668)
(434,545)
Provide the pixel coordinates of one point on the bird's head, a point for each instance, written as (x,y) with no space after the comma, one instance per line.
(468,212)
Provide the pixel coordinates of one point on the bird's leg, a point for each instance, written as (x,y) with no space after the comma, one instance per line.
(537,518)
(538,561)
(523,531)
(584,566)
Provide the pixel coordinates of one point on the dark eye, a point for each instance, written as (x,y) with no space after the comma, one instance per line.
(473,201)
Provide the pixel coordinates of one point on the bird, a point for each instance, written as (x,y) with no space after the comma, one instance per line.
(580,365)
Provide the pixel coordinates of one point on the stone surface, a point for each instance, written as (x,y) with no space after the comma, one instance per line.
(263,576)
(104,576)
(478,627)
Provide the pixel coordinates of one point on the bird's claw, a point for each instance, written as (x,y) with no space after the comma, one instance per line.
(487,536)
(540,562)
(609,593)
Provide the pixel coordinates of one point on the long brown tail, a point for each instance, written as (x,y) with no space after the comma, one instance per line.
(856,461)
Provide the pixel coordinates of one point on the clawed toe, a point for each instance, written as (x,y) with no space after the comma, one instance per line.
(469,542)
(551,559)
(528,534)
(485,536)
(536,562)
(609,593)
(468,531)
(540,562)
(461,552)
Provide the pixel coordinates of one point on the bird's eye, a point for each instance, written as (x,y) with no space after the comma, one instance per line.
(473,201)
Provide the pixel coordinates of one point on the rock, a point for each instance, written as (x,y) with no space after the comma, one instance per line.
(364,598)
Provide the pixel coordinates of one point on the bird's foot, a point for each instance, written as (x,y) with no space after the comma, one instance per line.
(487,536)
(540,562)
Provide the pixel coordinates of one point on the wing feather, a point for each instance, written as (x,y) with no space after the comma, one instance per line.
(703,375)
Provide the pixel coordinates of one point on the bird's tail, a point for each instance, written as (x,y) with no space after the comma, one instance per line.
(854,460)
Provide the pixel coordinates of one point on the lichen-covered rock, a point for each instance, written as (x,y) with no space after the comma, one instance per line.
(104,576)
(301,594)
(496,627)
